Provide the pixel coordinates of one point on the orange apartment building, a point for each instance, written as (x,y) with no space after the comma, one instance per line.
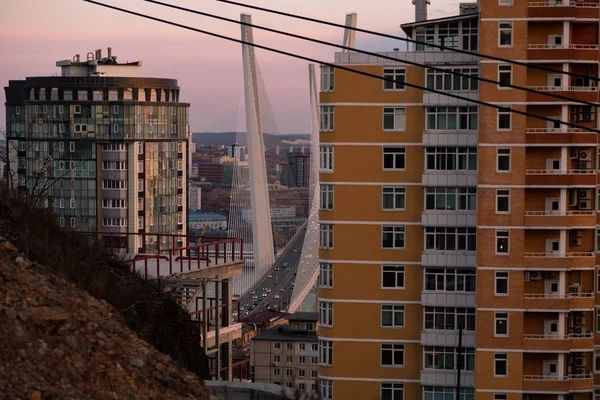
(438,213)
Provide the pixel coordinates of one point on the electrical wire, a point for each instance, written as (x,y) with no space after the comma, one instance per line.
(310,39)
(385,35)
(313,60)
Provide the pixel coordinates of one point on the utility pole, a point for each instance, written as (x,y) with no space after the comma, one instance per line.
(458,362)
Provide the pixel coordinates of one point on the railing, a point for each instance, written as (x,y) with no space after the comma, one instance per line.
(557,295)
(242,365)
(545,378)
(560,171)
(564,88)
(544,46)
(560,337)
(555,130)
(558,255)
(581,376)
(223,309)
(559,4)
(558,213)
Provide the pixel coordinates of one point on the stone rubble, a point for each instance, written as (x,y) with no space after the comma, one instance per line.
(58,342)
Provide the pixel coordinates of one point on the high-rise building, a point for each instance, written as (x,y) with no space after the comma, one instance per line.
(103,147)
(298,169)
(450,215)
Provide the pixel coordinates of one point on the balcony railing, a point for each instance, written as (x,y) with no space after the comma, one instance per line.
(559,255)
(558,213)
(545,378)
(560,337)
(556,130)
(557,4)
(545,46)
(564,88)
(557,296)
(560,171)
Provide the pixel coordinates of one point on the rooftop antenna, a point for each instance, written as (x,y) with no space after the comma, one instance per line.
(350,34)
(421,10)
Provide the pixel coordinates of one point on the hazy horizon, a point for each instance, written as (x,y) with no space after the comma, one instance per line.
(37,34)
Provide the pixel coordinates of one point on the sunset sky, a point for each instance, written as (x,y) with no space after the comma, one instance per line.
(37,33)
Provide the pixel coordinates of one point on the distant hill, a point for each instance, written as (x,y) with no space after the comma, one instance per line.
(229,138)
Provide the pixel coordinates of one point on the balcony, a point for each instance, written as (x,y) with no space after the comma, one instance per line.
(447,338)
(554,301)
(557,218)
(437,99)
(578,52)
(559,136)
(437,298)
(556,342)
(580,93)
(436,258)
(449,178)
(451,218)
(544,261)
(560,178)
(551,9)
(450,138)
(440,377)
(554,383)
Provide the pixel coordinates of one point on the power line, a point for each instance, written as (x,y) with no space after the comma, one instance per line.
(313,60)
(437,46)
(310,39)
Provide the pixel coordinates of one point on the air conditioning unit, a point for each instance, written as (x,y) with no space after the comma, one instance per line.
(584,205)
(588,117)
(585,165)
(574,153)
(579,321)
(583,194)
(575,233)
(574,289)
(575,242)
(580,371)
(535,276)
(585,155)
(578,331)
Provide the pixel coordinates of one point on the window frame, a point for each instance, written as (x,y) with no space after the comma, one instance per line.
(396,229)
(499,155)
(325,275)
(499,357)
(508,69)
(498,277)
(399,270)
(393,73)
(500,113)
(327,198)
(510,29)
(500,316)
(393,348)
(393,113)
(505,194)
(398,156)
(395,309)
(326,314)
(499,234)
(396,191)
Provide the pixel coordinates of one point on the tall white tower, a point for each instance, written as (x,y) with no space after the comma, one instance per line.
(262,233)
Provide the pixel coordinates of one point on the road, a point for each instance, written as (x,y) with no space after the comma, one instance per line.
(280,284)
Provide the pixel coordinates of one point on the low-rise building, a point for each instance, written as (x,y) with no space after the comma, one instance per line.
(212,221)
(287,354)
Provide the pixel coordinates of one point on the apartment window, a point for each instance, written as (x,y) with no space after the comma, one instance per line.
(394,119)
(394,198)
(502,239)
(289,359)
(501,283)
(392,315)
(301,373)
(450,279)
(504,117)
(446,358)
(451,158)
(325,275)
(501,324)
(502,201)
(276,372)
(394,78)
(326,158)
(288,372)
(392,354)
(451,239)
(61,221)
(451,118)
(504,75)
(325,313)
(507,3)
(98,95)
(327,78)
(392,277)
(325,352)
(500,364)
(315,360)
(327,118)
(503,160)
(500,396)
(449,318)
(450,80)
(326,197)
(326,389)
(289,346)
(277,345)
(392,391)
(394,158)
(505,32)
(326,236)
(451,199)
(113,95)
(276,359)
(392,237)
(140,166)
(314,374)
(301,346)
(446,392)
(68,95)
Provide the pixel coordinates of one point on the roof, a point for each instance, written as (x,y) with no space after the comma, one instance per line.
(408,27)
(207,214)
(282,332)
(304,316)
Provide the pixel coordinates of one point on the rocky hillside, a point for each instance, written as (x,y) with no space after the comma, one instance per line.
(58,342)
